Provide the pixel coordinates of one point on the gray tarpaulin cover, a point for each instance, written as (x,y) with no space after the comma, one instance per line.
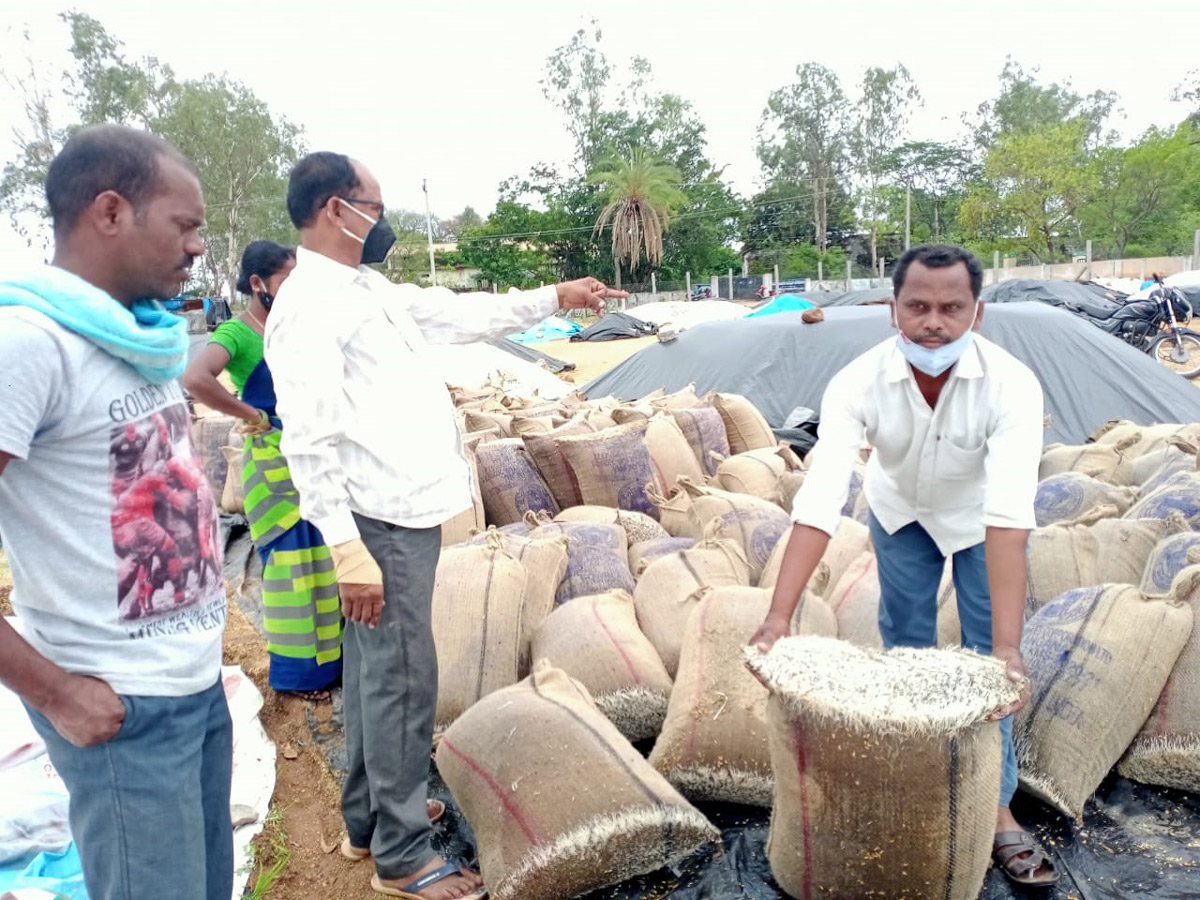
(779,362)
(1086,297)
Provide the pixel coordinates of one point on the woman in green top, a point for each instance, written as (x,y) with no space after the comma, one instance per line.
(301,610)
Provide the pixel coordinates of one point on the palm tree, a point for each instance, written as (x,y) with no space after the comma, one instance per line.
(642,193)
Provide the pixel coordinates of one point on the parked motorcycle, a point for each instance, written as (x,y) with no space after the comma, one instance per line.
(1156,326)
(701,292)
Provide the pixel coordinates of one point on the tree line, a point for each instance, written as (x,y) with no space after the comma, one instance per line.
(1035,173)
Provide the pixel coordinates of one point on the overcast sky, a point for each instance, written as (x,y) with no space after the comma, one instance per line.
(449,90)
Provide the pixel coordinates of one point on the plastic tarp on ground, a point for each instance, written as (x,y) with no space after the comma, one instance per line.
(783,303)
(781,363)
(1084,297)
(554,328)
(614,326)
(529,354)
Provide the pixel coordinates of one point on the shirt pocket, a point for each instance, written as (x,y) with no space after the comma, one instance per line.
(956,462)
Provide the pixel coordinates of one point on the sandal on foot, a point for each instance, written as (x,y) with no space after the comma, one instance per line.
(1019,857)
(409,891)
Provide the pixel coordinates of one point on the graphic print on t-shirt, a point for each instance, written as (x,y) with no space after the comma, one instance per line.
(165,531)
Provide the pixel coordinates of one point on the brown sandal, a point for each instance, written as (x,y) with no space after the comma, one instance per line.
(1019,857)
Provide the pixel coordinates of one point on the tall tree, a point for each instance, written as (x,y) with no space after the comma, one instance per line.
(577,75)
(937,175)
(642,193)
(883,111)
(802,138)
(1024,105)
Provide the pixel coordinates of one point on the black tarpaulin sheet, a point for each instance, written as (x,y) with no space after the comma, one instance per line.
(779,363)
(529,354)
(616,325)
(1084,297)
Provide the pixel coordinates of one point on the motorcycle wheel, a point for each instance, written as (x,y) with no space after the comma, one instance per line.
(1182,356)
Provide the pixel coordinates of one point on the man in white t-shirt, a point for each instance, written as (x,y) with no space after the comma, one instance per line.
(110,527)
(956,427)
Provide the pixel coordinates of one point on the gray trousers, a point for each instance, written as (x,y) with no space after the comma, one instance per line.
(389,680)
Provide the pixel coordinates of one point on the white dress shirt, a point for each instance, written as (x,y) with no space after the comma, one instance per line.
(969,463)
(368,427)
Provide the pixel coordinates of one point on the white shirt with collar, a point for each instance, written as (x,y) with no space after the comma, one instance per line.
(368,427)
(967,464)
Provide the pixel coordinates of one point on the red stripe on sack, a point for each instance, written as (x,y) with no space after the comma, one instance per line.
(509,807)
(612,637)
(865,572)
(805,824)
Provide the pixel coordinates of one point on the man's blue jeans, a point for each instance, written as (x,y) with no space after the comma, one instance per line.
(149,808)
(910,569)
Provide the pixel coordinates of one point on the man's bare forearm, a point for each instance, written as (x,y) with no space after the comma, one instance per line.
(1007,578)
(26,672)
(804,551)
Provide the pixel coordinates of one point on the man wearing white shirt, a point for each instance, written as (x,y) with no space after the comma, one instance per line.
(370,437)
(956,427)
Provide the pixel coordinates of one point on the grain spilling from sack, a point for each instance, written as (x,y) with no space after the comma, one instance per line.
(704,429)
(874,755)
(1167,749)
(849,541)
(510,483)
(713,744)
(1068,556)
(670,452)
(1108,462)
(670,588)
(638,526)
(642,553)
(744,424)
(611,467)
(1098,657)
(755,525)
(1066,497)
(478,597)
(596,641)
(560,803)
(597,558)
(757,472)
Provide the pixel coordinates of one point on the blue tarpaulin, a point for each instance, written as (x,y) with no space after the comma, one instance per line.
(61,873)
(782,303)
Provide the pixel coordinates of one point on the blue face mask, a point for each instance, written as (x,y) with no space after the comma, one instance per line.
(933,361)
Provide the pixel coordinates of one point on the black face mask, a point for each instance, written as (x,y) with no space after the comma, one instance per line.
(266,300)
(379,239)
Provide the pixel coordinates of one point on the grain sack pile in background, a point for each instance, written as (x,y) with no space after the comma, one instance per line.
(597,557)
(1171,556)
(1098,658)
(704,429)
(642,553)
(510,483)
(757,472)
(887,775)
(596,641)
(1108,462)
(1091,552)
(486,606)
(713,745)
(849,541)
(610,467)
(1178,494)
(744,424)
(754,525)
(670,588)
(1070,495)
(670,452)
(638,526)
(560,803)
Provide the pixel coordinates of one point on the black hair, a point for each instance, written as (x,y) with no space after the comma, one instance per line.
(315,179)
(105,158)
(939,256)
(264,259)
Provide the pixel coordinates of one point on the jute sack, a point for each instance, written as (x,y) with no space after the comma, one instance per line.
(713,744)
(1167,749)
(756,525)
(597,558)
(611,467)
(1178,494)
(626,414)
(1099,658)
(469,521)
(233,494)
(1108,462)
(704,429)
(1171,556)
(638,526)
(1152,437)
(523,425)
(480,421)
(552,464)
(757,472)
(670,588)
(670,452)
(856,597)
(744,424)
(674,511)
(210,434)
(849,541)
(596,640)
(510,483)
(1066,497)
(478,596)
(560,803)
(642,553)
(786,488)
(874,755)
(681,399)
(1178,455)
(1069,556)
